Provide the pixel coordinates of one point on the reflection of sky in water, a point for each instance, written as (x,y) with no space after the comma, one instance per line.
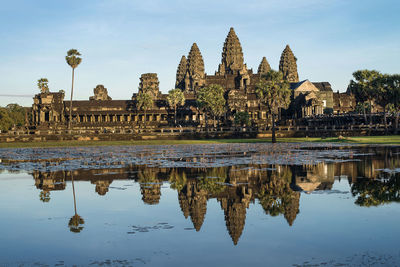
(121,230)
(328,227)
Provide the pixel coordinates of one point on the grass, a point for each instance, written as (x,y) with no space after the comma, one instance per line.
(387,140)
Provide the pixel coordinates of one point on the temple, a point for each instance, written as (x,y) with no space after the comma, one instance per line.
(102,114)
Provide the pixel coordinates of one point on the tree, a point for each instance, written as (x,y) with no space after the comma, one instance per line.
(242,118)
(274,92)
(144,102)
(211,99)
(5,121)
(17,114)
(12,115)
(43,85)
(73,60)
(382,95)
(363,88)
(375,192)
(394,96)
(175,98)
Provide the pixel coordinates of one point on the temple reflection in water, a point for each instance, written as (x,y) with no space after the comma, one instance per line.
(276,188)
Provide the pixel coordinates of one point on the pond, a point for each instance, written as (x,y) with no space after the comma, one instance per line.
(201,205)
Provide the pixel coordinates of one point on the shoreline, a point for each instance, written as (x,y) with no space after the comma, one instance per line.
(366,140)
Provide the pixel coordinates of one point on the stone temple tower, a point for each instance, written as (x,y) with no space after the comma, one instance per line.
(288,65)
(195,67)
(232,56)
(149,83)
(190,74)
(264,66)
(180,73)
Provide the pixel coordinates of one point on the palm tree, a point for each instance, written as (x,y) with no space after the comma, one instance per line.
(273,91)
(175,98)
(144,102)
(73,60)
(43,85)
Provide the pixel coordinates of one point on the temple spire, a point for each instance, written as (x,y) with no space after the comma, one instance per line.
(195,61)
(180,73)
(232,55)
(264,66)
(288,65)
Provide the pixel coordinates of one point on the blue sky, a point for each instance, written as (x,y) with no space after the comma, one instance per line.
(121,39)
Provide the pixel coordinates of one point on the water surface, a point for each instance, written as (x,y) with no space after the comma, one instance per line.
(201,205)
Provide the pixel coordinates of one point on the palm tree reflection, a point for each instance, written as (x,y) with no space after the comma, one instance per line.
(76,222)
(44,196)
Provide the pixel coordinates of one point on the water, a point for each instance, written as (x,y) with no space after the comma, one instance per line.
(201,205)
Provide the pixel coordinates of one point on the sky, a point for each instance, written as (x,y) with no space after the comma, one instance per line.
(121,39)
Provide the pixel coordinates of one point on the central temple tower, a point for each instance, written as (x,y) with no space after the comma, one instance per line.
(232,55)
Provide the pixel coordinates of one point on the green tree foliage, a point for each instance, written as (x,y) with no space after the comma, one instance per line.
(150,186)
(211,99)
(177,179)
(375,192)
(242,118)
(175,98)
(43,85)
(144,102)
(212,181)
(363,87)
(274,92)
(73,60)
(384,89)
(276,197)
(394,96)
(5,121)
(12,115)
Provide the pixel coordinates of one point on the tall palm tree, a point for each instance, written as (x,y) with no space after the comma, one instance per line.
(43,85)
(73,60)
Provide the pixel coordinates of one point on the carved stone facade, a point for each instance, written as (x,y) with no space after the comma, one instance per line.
(264,66)
(102,114)
(232,56)
(48,109)
(288,65)
(149,83)
(181,73)
(100,93)
(311,99)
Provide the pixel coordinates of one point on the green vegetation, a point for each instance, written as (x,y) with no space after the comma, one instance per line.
(175,98)
(144,102)
(211,99)
(73,60)
(177,179)
(274,92)
(372,192)
(371,86)
(242,118)
(12,114)
(383,140)
(43,85)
